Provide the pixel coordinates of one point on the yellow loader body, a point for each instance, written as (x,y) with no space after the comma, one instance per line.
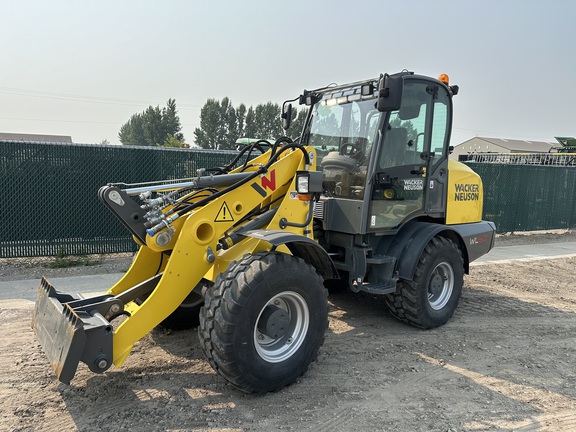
(243,252)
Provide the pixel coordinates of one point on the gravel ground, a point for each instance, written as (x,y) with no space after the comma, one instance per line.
(505,361)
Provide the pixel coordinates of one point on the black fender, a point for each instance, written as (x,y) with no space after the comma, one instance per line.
(411,240)
(303,247)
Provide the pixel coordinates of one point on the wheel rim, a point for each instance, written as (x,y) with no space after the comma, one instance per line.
(281,327)
(192,301)
(440,286)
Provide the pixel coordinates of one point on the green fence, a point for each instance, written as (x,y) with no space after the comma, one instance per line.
(528,197)
(50,202)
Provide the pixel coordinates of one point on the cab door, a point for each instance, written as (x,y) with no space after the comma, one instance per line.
(405,165)
(435,197)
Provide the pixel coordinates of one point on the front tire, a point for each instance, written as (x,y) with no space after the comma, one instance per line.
(263,321)
(431,298)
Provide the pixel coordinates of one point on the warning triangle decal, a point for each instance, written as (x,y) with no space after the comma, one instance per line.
(224,214)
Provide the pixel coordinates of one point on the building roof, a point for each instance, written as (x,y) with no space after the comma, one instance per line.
(35,137)
(517,145)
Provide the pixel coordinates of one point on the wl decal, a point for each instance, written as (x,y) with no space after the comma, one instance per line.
(478,240)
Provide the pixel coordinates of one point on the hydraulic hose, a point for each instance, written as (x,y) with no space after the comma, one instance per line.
(233,237)
(286,223)
(262,170)
(249,149)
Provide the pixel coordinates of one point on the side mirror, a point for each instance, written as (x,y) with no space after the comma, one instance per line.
(389,93)
(286,116)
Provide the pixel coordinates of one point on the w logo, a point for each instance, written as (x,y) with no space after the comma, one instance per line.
(267,183)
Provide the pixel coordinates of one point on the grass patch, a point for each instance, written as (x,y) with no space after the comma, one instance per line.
(63,260)
(73,262)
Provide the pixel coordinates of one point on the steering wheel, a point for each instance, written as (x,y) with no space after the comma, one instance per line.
(351,150)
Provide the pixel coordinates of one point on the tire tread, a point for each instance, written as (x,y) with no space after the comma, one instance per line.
(404,304)
(224,301)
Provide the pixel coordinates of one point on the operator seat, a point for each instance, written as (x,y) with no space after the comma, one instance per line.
(395,146)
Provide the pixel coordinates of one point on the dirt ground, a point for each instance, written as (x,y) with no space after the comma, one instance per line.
(506,361)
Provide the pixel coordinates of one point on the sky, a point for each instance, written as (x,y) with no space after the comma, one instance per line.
(83,68)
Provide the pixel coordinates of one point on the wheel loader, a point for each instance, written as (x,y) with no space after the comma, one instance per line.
(367,195)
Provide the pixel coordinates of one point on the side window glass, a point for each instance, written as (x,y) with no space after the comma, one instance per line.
(372,121)
(355,119)
(326,130)
(440,126)
(404,140)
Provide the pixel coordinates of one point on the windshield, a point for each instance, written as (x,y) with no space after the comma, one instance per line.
(343,129)
(349,127)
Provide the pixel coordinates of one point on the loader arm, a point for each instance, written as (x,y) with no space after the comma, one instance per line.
(172,261)
(195,246)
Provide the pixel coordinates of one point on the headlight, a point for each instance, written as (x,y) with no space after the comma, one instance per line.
(302,182)
(308,182)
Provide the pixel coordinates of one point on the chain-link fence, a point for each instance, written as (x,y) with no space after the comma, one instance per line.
(50,202)
(528,197)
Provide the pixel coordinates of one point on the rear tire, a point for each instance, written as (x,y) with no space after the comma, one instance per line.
(431,298)
(186,316)
(263,321)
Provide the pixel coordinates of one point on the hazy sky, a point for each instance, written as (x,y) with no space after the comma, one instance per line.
(83,68)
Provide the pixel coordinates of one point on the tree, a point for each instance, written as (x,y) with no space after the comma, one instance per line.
(175,142)
(153,127)
(298,119)
(265,122)
(221,124)
(241,119)
(218,125)
(172,121)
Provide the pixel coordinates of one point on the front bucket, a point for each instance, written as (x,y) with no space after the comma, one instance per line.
(63,333)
